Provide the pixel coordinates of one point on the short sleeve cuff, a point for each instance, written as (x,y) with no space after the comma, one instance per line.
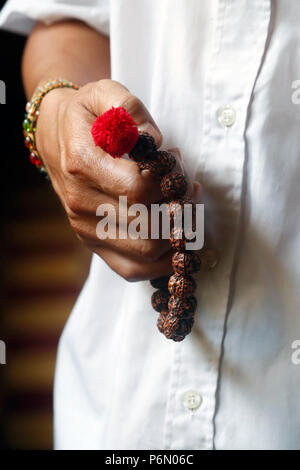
(19,16)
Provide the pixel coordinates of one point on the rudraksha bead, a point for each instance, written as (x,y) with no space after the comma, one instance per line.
(185,326)
(186,263)
(175,328)
(173,186)
(171,325)
(160,283)
(179,239)
(175,210)
(159,300)
(161,320)
(163,163)
(181,286)
(183,308)
(144,148)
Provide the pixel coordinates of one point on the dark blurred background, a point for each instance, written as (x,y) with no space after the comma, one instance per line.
(43,268)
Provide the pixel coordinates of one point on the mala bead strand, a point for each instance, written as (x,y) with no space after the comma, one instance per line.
(117,134)
(173,299)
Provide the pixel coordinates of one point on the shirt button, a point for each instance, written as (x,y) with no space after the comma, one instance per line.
(226,116)
(209,258)
(192,399)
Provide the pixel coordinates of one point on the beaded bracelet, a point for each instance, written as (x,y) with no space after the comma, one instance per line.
(117,134)
(31,116)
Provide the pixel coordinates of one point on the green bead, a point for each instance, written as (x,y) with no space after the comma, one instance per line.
(27,125)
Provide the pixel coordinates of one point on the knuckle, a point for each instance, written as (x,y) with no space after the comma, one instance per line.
(69,165)
(133,105)
(74,203)
(75,229)
(136,193)
(75,225)
(94,91)
(101,85)
(71,162)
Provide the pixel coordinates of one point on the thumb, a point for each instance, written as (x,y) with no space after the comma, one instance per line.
(197,192)
(102,95)
(194,189)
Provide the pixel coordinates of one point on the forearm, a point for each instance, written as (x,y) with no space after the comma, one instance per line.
(69,49)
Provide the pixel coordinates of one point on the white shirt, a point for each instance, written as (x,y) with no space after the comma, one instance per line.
(120,384)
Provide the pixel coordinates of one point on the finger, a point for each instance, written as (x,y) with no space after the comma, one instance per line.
(82,200)
(181,169)
(113,176)
(132,270)
(91,231)
(104,94)
(176,152)
(197,192)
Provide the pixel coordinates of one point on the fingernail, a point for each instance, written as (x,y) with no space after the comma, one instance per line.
(176,151)
(198,191)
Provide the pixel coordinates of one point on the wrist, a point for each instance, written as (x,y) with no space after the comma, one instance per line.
(51,104)
(49,121)
(33,109)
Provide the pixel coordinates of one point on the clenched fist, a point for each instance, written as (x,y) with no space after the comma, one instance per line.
(84,176)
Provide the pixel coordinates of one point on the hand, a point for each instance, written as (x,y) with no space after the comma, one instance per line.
(84,176)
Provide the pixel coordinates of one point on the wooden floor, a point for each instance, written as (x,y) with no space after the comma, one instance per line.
(44,269)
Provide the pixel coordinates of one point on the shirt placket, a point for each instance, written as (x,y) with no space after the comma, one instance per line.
(238,45)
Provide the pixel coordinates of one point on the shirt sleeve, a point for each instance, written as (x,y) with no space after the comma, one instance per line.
(19,16)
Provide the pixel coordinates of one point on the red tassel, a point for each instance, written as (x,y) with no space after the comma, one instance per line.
(115,132)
